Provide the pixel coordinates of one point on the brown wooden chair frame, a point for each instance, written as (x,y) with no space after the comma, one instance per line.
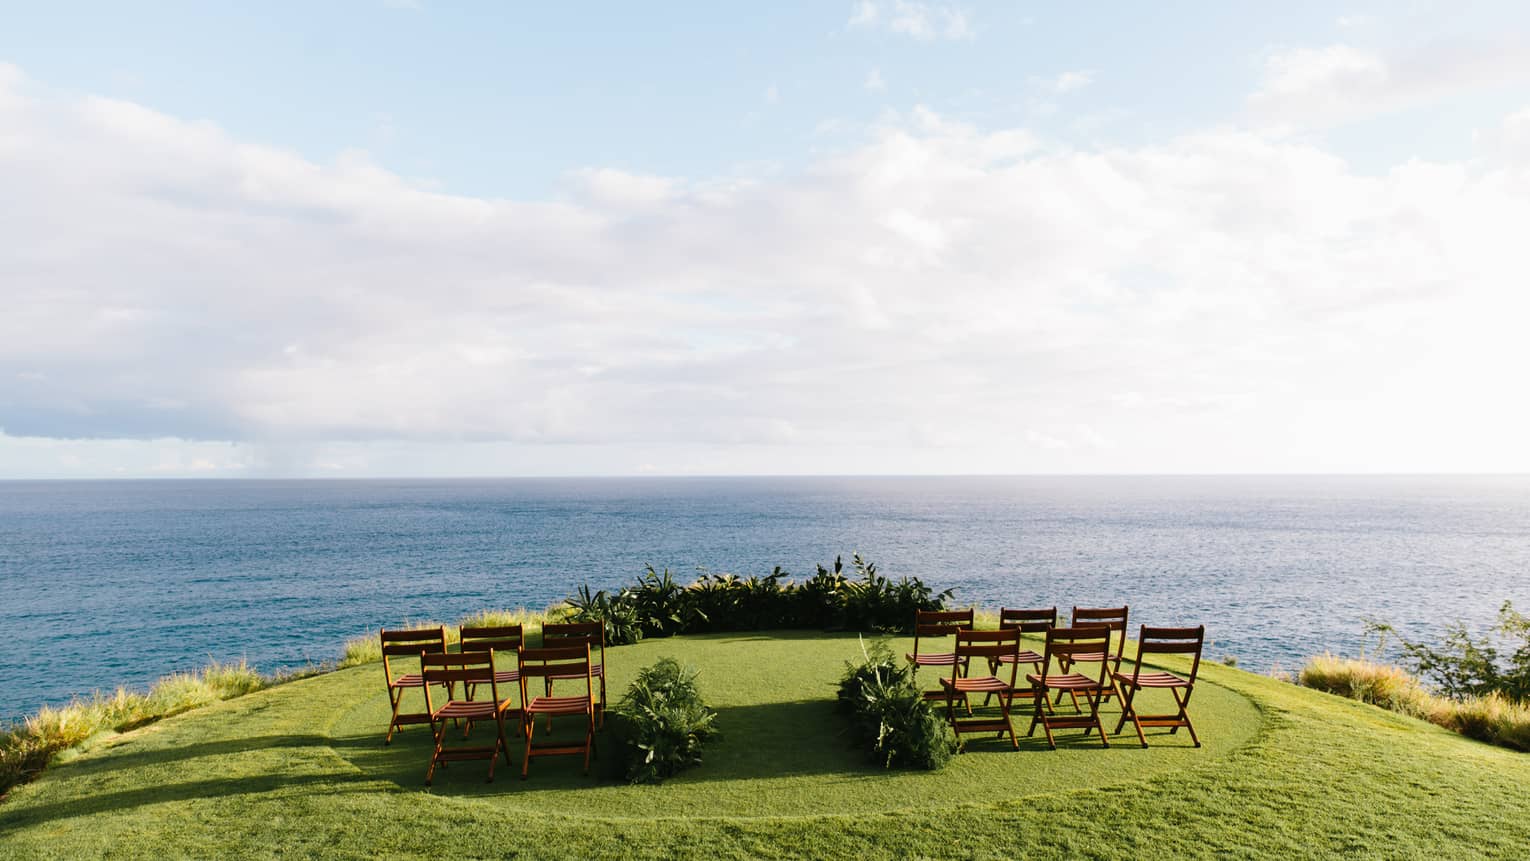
(1112,618)
(410,642)
(931,624)
(995,648)
(556,634)
(562,662)
(1162,641)
(505,640)
(1026,621)
(1069,646)
(471,670)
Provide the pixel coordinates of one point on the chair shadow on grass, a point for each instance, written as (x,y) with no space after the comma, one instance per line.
(767,740)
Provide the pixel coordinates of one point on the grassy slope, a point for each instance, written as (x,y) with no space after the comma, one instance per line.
(299,770)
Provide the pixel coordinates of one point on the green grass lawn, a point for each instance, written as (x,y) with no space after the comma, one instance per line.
(300,770)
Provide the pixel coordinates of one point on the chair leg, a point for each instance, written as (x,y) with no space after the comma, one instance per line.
(1128,713)
(528,728)
(395,696)
(1094,712)
(589,739)
(1041,718)
(1005,703)
(1184,714)
(602,695)
(435,755)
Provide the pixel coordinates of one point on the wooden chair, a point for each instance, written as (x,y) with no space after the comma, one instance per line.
(997,648)
(1070,646)
(504,639)
(1112,619)
(556,634)
(471,670)
(936,625)
(560,662)
(400,644)
(1037,621)
(1162,641)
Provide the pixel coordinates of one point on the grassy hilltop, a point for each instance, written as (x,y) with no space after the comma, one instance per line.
(299,770)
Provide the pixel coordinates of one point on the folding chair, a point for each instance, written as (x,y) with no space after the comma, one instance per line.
(561,662)
(997,648)
(1037,621)
(1069,646)
(504,639)
(410,643)
(1110,618)
(557,634)
(1162,641)
(936,624)
(471,669)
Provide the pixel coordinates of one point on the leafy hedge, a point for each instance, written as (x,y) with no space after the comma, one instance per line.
(889,716)
(660,606)
(660,724)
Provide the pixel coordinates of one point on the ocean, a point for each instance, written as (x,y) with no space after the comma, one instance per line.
(121,582)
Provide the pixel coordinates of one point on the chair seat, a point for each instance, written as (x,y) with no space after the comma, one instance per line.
(502,676)
(1067,682)
(1026,656)
(467,709)
(1087,658)
(981,684)
(1152,680)
(558,705)
(408,680)
(944,659)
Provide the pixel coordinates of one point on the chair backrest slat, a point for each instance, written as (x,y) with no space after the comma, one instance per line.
(500,638)
(1028,621)
(1078,640)
(410,642)
(988,645)
(413,641)
(939,623)
(570,633)
(555,660)
(1112,618)
(1171,641)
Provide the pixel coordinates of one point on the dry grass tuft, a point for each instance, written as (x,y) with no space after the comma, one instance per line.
(1367,681)
(1494,718)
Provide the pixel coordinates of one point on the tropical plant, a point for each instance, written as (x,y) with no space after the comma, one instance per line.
(661,723)
(617,611)
(657,605)
(889,716)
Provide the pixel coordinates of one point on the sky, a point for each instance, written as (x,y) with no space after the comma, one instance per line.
(393,238)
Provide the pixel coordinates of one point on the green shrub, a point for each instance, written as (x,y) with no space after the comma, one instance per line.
(1466,666)
(658,606)
(617,611)
(889,716)
(661,723)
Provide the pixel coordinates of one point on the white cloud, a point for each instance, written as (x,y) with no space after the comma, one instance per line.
(922,21)
(874,81)
(1066,82)
(1336,84)
(772,95)
(921,302)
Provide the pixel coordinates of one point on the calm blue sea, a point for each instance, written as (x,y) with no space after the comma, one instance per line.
(106,583)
